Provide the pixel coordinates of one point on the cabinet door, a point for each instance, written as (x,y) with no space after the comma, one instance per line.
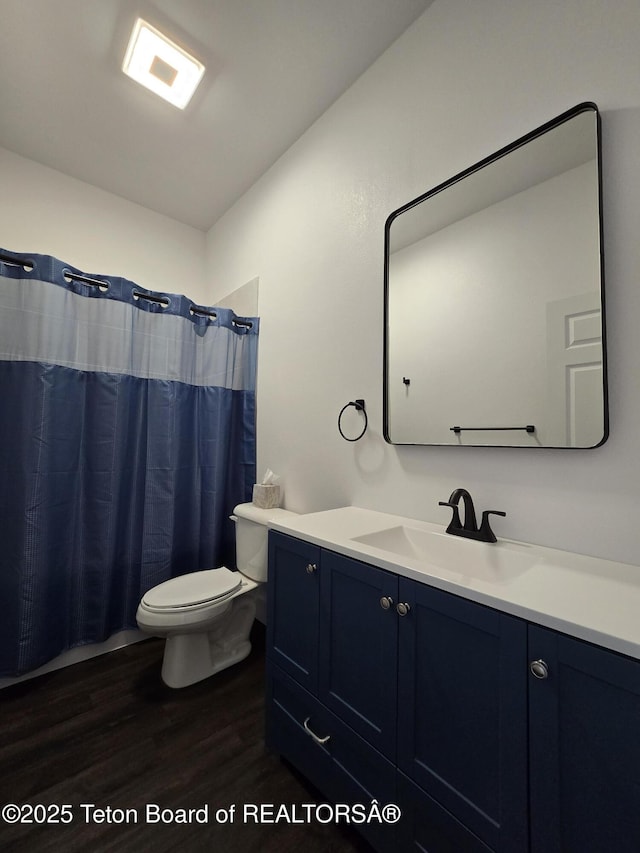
(462,711)
(585,747)
(358,648)
(293,607)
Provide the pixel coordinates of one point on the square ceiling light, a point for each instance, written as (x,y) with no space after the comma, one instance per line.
(162,66)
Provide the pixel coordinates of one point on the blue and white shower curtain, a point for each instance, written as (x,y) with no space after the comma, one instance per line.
(127,436)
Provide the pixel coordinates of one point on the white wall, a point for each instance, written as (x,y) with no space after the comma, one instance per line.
(243,301)
(464,80)
(46,212)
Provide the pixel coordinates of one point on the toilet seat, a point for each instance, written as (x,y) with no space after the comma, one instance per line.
(193,591)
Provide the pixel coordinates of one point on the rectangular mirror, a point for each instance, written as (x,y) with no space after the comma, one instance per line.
(494,300)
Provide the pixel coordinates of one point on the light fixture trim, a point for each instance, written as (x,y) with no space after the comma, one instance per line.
(149,49)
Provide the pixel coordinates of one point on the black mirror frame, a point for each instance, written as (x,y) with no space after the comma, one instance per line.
(586,106)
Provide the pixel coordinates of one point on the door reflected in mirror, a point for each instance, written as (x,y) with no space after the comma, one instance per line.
(494,305)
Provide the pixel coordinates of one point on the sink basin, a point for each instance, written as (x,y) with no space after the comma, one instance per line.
(499,562)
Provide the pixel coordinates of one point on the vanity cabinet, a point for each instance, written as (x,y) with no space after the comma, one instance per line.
(433,693)
(381,687)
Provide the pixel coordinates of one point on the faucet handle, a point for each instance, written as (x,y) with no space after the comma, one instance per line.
(485,527)
(455,523)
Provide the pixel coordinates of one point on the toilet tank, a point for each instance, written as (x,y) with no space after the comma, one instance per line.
(252,538)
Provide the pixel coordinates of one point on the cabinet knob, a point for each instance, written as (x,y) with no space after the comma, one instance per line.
(539,669)
(316,737)
(385,602)
(402,608)
(311,568)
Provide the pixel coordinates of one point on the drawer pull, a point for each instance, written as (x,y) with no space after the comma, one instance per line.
(317,739)
(386,602)
(403,608)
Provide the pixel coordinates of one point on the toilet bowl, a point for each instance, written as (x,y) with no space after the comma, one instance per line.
(206,616)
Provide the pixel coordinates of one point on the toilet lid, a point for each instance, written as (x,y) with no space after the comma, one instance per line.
(193,589)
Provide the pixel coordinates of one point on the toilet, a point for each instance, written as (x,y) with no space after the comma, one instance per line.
(206,616)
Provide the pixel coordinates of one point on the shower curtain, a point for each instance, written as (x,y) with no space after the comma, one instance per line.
(127,436)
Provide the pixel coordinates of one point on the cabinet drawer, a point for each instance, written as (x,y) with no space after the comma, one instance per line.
(288,707)
(344,768)
(426,826)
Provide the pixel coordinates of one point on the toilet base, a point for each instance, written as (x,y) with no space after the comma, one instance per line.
(192,657)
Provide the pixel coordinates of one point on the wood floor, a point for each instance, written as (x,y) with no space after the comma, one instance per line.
(108,732)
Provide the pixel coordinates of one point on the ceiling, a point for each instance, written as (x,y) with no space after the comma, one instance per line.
(273,67)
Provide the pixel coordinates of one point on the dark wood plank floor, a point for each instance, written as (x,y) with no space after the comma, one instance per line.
(108,732)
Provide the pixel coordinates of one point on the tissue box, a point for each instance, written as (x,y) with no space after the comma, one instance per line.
(266,497)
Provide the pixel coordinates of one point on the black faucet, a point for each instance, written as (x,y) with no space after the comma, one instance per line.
(470,528)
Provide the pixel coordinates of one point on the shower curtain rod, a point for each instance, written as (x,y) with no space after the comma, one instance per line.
(14,262)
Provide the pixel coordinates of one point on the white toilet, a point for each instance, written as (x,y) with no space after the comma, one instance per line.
(206,616)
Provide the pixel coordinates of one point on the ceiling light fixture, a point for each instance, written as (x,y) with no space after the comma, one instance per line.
(160,65)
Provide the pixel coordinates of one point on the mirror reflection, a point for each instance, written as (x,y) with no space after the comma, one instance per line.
(494,330)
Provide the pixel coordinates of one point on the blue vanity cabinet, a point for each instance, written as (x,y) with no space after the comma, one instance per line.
(492,734)
(293,603)
(584,713)
(358,649)
(368,672)
(462,717)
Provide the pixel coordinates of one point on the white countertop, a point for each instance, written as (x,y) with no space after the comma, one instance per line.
(590,598)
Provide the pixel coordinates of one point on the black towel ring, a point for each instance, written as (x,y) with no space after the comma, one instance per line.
(359,407)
